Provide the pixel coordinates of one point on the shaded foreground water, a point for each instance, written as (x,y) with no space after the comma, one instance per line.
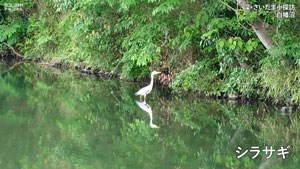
(54,119)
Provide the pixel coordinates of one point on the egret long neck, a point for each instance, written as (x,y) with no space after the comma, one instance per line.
(151,83)
(150,114)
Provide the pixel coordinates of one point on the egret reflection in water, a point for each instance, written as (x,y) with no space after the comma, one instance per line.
(144,106)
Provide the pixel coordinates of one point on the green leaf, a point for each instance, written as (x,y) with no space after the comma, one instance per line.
(232,47)
(249,48)
(240,44)
(221,25)
(221,43)
(204,18)
(254,44)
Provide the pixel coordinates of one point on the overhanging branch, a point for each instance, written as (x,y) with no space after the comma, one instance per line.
(13,50)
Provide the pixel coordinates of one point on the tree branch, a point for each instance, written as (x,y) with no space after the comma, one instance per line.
(13,50)
(237,14)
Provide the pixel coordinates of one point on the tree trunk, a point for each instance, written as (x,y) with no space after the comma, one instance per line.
(262,29)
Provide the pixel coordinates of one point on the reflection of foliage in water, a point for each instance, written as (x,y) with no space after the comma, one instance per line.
(8,88)
(67,120)
(256,125)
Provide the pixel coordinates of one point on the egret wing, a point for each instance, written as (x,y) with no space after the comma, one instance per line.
(142,91)
(144,106)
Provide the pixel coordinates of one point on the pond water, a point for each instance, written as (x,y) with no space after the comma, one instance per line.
(55,119)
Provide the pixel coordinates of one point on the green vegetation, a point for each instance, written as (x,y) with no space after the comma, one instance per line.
(206,46)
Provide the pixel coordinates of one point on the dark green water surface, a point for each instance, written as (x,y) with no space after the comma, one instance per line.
(54,119)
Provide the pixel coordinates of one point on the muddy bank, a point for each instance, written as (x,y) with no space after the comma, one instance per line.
(60,65)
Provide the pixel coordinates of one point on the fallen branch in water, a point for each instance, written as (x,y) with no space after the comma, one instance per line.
(12,67)
(13,50)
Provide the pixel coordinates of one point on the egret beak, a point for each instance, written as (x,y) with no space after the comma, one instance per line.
(159,72)
(157,127)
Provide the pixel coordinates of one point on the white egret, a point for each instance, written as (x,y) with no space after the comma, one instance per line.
(147,89)
(144,106)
